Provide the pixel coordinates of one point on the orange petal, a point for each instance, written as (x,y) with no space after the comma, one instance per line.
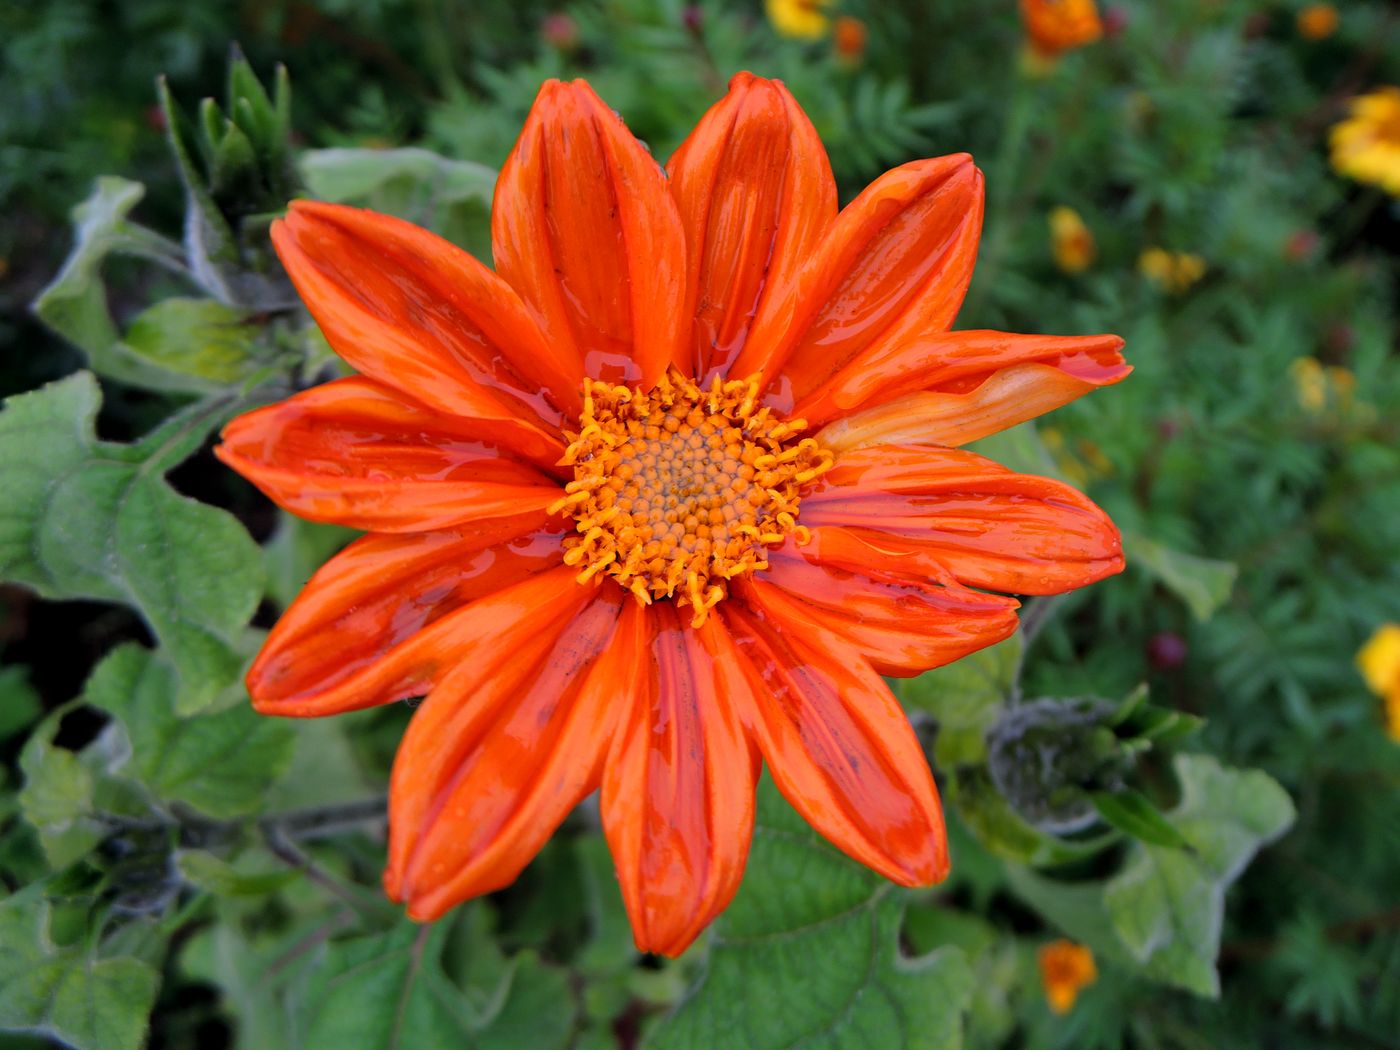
(1010,396)
(904,625)
(502,750)
(499,620)
(585,230)
(678,792)
(407,308)
(939,512)
(959,362)
(838,744)
(352,637)
(357,453)
(755,193)
(895,265)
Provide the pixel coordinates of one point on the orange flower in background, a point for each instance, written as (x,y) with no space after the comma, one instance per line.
(1317,21)
(1055,26)
(848,38)
(1066,969)
(661,499)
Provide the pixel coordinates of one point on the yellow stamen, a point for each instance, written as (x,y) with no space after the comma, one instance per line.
(679,489)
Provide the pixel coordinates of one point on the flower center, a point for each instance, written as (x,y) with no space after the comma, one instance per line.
(679,489)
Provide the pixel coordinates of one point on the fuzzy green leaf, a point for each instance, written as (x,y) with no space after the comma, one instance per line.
(75,303)
(65,993)
(808,954)
(221,763)
(1167,905)
(199,338)
(1131,813)
(90,519)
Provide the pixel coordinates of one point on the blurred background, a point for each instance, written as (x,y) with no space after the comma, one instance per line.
(1195,175)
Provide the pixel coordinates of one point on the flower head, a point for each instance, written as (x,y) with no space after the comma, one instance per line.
(1317,21)
(661,499)
(1174,272)
(1366,146)
(1379,662)
(848,37)
(1071,242)
(1319,386)
(1056,26)
(1066,969)
(799,19)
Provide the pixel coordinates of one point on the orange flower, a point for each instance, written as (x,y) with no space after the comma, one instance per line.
(1066,969)
(1055,26)
(582,476)
(849,36)
(1317,21)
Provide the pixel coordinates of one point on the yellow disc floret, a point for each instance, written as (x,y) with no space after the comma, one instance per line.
(679,489)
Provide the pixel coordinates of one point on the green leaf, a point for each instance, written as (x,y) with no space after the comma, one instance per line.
(1131,813)
(296,550)
(1167,905)
(390,991)
(65,791)
(223,879)
(1204,584)
(19,703)
(222,763)
(1021,449)
(65,993)
(808,954)
(90,519)
(57,798)
(199,338)
(450,197)
(610,948)
(965,697)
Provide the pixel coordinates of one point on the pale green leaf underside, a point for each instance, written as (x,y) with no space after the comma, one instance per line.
(1167,905)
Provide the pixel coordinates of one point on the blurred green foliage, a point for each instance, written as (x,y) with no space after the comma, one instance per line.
(1179,768)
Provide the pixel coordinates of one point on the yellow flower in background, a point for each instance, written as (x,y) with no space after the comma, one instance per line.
(1317,21)
(1071,241)
(1366,146)
(1174,271)
(1310,382)
(1319,385)
(1055,26)
(799,19)
(1066,969)
(1379,661)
